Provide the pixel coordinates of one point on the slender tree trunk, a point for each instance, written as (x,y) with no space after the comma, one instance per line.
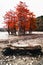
(30,32)
(8,30)
(11,32)
(14,31)
(24,30)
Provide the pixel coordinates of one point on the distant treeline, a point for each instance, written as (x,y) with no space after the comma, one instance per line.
(39,23)
(3,29)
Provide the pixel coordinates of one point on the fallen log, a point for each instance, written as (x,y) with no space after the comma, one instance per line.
(27,47)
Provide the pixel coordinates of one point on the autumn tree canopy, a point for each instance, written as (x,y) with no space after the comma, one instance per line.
(22,18)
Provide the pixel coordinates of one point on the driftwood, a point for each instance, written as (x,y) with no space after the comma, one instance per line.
(27,47)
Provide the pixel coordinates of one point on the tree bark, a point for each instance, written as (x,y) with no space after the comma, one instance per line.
(24,30)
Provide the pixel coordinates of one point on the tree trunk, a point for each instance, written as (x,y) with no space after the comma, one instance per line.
(14,31)
(24,30)
(9,32)
(30,32)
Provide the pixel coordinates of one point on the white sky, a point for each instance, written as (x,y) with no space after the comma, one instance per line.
(35,6)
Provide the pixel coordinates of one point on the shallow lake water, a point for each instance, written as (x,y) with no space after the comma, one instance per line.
(4,35)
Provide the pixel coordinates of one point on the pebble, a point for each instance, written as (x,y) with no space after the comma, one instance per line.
(32,58)
(27,64)
(41,61)
(14,57)
(30,63)
(7,64)
(7,57)
(38,64)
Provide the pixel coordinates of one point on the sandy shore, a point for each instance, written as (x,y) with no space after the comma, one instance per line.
(17,59)
(27,39)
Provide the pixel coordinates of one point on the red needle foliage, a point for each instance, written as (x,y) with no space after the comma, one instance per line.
(21,18)
(10,19)
(25,17)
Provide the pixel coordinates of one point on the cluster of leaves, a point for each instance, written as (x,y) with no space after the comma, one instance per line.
(21,18)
